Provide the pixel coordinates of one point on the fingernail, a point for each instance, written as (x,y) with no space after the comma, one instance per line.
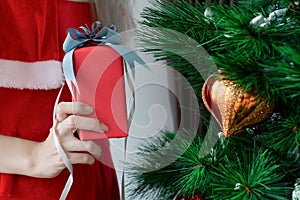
(92,161)
(105,128)
(98,153)
(88,109)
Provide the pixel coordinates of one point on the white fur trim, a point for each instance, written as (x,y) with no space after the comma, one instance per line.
(31,75)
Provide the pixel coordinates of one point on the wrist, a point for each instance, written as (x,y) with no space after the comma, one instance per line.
(16,155)
(28,162)
(34,162)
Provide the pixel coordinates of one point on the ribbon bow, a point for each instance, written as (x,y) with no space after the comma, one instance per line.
(94,36)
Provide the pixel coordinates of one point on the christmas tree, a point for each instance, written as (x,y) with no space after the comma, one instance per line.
(255,46)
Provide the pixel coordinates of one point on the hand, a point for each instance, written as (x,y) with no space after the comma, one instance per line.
(48,162)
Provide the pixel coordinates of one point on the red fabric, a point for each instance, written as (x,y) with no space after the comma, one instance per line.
(101,83)
(6,182)
(24,40)
(33,30)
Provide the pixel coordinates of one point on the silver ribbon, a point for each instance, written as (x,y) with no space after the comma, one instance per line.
(62,153)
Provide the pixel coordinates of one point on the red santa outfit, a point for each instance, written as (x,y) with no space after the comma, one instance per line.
(32,33)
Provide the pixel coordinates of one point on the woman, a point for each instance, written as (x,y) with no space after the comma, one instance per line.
(32,33)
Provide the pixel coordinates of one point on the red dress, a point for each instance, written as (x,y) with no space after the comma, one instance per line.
(32,33)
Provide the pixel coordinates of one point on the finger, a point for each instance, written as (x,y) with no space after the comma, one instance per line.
(78,145)
(74,122)
(91,124)
(64,109)
(66,127)
(92,148)
(81,158)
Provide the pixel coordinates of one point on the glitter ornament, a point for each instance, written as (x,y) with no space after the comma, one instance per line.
(232,108)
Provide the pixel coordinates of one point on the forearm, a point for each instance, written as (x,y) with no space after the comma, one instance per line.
(17,156)
(41,159)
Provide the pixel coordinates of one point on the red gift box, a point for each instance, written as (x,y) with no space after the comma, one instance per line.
(100,79)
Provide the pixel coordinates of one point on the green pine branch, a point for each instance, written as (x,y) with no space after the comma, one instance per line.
(260,163)
(254,177)
(282,138)
(284,73)
(189,172)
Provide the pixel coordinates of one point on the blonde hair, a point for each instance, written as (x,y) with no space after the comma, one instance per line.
(115,12)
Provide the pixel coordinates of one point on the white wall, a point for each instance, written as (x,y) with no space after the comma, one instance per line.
(154,111)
